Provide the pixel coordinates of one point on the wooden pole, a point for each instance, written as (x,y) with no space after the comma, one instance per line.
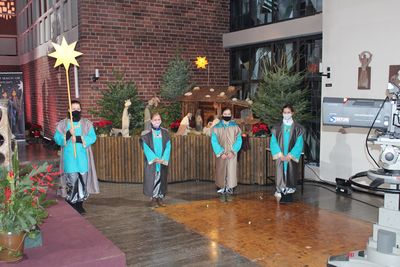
(70,109)
(208,75)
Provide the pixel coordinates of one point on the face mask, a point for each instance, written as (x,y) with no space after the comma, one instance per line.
(156,125)
(226,118)
(76,115)
(287,116)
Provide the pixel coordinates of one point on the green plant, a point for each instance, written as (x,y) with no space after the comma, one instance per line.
(176,79)
(278,87)
(111,104)
(23,196)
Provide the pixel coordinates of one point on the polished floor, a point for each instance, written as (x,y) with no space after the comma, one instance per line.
(195,229)
(37,152)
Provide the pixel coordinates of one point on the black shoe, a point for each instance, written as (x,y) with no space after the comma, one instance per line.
(79,207)
(286,198)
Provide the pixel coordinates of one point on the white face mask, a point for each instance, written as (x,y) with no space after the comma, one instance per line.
(156,124)
(287,116)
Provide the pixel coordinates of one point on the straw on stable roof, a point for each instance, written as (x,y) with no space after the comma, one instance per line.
(212,94)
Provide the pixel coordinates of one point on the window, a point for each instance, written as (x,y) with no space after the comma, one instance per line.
(250,13)
(66,18)
(41,32)
(301,54)
(74,12)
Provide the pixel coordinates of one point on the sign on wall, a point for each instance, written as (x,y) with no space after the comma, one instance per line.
(12,89)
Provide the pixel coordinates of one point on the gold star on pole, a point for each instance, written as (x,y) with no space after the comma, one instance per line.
(201,62)
(65,54)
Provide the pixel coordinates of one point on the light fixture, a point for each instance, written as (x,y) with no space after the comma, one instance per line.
(327,74)
(96,75)
(7,9)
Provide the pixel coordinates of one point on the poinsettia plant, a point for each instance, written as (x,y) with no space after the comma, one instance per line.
(35,130)
(175,125)
(23,200)
(102,127)
(260,129)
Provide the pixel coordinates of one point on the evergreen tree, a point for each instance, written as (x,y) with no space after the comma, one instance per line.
(280,86)
(176,80)
(111,105)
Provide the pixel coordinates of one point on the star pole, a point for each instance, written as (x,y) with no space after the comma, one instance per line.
(65,55)
(201,63)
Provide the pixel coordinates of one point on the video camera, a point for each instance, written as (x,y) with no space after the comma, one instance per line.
(382,115)
(383,248)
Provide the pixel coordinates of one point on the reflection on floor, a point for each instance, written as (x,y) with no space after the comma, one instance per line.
(37,153)
(197,230)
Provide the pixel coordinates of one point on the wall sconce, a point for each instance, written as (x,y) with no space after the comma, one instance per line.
(328,71)
(96,75)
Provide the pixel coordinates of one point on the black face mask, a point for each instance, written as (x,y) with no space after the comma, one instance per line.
(76,115)
(226,118)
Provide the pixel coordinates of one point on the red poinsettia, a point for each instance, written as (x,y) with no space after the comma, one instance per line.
(35,130)
(102,127)
(102,124)
(23,195)
(7,193)
(260,129)
(175,125)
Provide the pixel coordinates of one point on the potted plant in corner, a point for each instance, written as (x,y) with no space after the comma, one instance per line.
(22,205)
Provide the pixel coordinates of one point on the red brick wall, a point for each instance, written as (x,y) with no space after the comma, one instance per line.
(137,38)
(45,93)
(140,37)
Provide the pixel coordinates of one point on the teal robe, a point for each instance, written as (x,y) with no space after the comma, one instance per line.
(71,163)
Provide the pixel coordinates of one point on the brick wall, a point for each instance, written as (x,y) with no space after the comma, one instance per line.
(137,38)
(45,93)
(140,37)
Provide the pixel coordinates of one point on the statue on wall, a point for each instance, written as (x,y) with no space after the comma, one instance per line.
(199,121)
(124,131)
(395,78)
(364,72)
(184,127)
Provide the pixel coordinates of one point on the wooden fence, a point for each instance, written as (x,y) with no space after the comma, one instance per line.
(121,160)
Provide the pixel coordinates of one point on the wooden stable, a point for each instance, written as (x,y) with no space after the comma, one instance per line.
(121,160)
(211,101)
